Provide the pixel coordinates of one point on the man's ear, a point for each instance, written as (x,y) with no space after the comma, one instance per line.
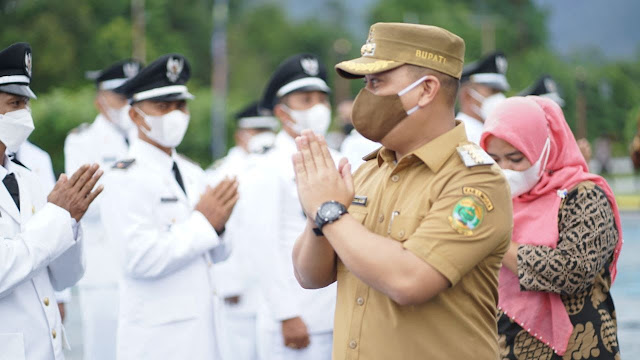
(98,104)
(430,89)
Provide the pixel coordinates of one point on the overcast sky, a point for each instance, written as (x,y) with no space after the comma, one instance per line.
(574,25)
(610,25)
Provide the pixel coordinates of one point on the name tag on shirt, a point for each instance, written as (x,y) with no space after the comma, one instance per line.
(168,199)
(359,200)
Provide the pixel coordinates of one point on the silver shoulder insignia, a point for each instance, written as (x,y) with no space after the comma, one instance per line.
(473,155)
(80,128)
(123,164)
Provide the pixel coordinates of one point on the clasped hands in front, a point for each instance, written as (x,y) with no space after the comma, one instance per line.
(317,177)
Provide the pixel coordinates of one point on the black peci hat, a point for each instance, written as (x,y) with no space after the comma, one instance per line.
(250,118)
(545,86)
(490,71)
(15,70)
(302,72)
(115,75)
(163,80)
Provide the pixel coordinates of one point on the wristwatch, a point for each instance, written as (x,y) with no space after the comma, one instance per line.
(327,213)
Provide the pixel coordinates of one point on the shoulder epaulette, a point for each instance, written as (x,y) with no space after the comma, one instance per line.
(216,164)
(80,128)
(473,155)
(123,164)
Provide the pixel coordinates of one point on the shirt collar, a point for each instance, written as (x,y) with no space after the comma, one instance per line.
(149,155)
(105,125)
(435,152)
(4,170)
(284,142)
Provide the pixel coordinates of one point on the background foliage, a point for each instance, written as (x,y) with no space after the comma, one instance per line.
(69,37)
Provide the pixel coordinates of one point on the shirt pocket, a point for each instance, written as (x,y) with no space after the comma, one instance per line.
(403,226)
(359,215)
(168,210)
(12,346)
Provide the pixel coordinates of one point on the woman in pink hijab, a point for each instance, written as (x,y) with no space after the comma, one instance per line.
(554,283)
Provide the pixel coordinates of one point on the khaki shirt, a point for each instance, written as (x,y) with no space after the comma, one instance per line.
(455,217)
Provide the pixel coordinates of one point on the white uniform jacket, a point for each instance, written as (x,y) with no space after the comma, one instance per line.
(473,127)
(38,254)
(355,147)
(166,251)
(277,219)
(101,143)
(39,162)
(236,276)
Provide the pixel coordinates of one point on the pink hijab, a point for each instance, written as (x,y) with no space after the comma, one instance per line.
(526,123)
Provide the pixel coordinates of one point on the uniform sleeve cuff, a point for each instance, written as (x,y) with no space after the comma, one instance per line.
(201,226)
(442,265)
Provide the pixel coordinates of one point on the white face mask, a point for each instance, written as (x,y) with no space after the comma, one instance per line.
(124,121)
(15,128)
(488,103)
(521,182)
(259,143)
(167,130)
(316,119)
(119,117)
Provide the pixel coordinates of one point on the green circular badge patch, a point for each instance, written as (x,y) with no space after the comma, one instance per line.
(466,216)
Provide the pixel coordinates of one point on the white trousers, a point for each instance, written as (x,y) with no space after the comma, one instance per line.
(99,307)
(238,335)
(271,347)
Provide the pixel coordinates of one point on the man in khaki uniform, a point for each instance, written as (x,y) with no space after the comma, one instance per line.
(417,255)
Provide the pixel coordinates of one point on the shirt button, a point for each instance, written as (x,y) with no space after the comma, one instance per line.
(353,344)
(46,301)
(401,233)
(360,301)
(53,333)
(395,178)
(381,218)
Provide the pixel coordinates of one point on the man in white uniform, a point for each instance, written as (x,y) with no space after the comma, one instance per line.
(167,225)
(236,280)
(293,323)
(482,87)
(104,141)
(39,162)
(40,238)
(254,134)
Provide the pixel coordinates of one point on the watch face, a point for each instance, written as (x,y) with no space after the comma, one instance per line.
(330,211)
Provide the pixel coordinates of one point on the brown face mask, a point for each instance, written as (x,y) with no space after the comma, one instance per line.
(374,116)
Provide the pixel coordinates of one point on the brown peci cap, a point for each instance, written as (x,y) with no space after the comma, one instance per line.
(391,45)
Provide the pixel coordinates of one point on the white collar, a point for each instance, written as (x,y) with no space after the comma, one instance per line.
(149,155)
(103,124)
(285,143)
(9,167)
(468,119)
